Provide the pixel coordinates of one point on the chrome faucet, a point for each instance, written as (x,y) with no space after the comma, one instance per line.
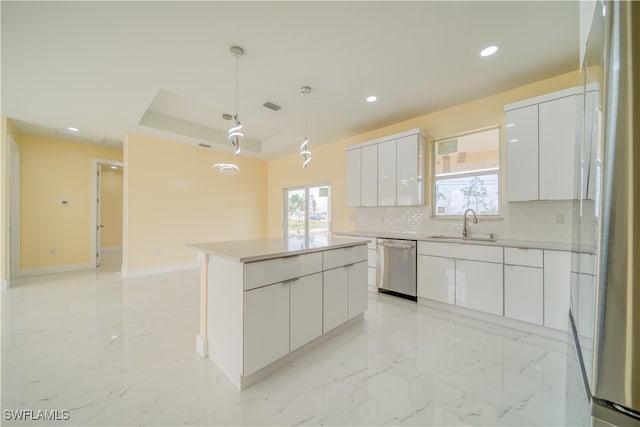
(465,230)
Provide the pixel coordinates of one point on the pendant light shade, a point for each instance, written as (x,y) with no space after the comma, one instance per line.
(304,147)
(235,133)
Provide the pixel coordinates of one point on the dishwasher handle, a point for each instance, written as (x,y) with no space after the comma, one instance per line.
(397,245)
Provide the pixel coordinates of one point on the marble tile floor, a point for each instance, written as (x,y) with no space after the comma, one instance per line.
(121,352)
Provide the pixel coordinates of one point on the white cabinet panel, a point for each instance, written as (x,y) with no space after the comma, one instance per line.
(353,177)
(357,282)
(523,292)
(275,270)
(371,278)
(557,147)
(266,326)
(436,278)
(387,173)
(372,257)
(343,256)
(409,155)
(369,176)
(462,251)
(522,154)
(479,286)
(557,285)
(523,256)
(335,305)
(305,310)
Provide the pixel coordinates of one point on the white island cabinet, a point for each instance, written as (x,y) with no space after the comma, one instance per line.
(264,301)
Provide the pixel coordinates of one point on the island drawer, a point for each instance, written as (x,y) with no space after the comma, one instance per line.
(261,273)
(344,256)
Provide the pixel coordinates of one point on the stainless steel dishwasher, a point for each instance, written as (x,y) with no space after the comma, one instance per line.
(396,273)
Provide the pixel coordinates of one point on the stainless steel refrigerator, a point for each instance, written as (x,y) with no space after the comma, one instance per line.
(604,333)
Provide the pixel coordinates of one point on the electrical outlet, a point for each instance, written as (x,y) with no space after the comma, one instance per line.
(52,251)
(559,218)
(157,251)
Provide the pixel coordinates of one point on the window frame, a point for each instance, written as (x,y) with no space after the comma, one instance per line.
(465,174)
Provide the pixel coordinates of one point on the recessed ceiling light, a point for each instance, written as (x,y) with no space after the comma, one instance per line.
(372,98)
(488,51)
(72,129)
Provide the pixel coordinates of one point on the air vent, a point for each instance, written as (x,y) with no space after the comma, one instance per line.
(271,106)
(204,145)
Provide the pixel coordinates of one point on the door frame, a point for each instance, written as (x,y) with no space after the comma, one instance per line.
(95,211)
(13,254)
(285,207)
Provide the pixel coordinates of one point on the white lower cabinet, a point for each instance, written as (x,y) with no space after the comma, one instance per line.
(557,286)
(357,283)
(335,304)
(436,278)
(523,293)
(266,326)
(305,310)
(479,286)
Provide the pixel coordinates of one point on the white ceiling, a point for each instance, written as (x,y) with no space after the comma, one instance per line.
(164,68)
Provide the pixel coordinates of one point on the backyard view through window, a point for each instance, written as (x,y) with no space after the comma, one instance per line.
(467,170)
(307,214)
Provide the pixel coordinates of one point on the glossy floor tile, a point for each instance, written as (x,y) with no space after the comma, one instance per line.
(122,352)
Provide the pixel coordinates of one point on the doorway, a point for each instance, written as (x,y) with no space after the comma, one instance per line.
(108,214)
(13,254)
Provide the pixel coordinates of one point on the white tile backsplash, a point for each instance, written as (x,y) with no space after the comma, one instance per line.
(521,221)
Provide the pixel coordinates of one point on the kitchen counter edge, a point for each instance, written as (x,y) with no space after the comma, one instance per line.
(264,249)
(507,243)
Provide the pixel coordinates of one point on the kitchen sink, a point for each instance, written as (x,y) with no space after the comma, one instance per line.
(462,239)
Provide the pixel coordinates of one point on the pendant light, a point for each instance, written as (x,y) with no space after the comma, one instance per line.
(234,133)
(304,147)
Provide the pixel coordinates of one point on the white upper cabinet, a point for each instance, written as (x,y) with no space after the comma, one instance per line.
(409,187)
(522,154)
(369,176)
(387,173)
(557,144)
(353,178)
(541,136)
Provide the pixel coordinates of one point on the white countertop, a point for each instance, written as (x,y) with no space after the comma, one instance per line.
(262,249)
(512,243)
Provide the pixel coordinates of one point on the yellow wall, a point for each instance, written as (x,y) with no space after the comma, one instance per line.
(111,207)
(329,161)
(52,171)
(174,197)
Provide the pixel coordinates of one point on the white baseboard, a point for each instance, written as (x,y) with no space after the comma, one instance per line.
(111,249)
(4,285)
(130,274)
(38,271)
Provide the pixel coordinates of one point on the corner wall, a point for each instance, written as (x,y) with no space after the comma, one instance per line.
(329,161)
(173,197)
(55,236)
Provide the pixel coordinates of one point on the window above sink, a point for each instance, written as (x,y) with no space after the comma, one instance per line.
(467,173)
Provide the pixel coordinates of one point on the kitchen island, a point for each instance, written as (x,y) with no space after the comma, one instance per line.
(265,301)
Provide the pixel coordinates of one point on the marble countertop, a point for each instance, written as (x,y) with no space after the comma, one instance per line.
(512,243)
(262,249)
